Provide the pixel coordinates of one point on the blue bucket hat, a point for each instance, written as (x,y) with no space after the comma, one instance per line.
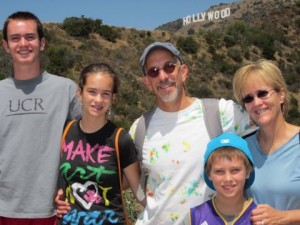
(228,140)
(156,45)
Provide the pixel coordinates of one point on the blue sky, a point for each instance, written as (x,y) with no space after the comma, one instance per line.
(139,14)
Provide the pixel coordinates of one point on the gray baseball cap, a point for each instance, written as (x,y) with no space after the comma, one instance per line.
(159,45)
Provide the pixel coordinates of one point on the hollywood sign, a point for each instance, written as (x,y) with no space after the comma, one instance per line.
(211,15)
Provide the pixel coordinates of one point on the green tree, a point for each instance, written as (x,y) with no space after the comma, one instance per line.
(188,45)
(108,33)
(235,54)
(81,27)
(60,60)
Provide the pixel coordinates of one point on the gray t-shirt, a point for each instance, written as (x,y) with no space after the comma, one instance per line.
(32,117)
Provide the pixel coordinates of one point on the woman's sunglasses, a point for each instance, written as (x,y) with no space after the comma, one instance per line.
(262,94)
(168,67)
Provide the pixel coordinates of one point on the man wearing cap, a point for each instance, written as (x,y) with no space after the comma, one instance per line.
(228,165)
(176,138)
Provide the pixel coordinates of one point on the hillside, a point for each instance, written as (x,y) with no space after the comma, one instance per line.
(212,49)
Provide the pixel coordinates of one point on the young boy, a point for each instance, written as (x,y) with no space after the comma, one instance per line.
(229,171)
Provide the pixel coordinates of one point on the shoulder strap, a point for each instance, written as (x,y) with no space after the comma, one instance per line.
(120,173)
(211,115)
(66,129)
(250,132)
(140,131)
(139,139)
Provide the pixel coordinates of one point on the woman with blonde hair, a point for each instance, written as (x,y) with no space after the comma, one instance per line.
(260,88)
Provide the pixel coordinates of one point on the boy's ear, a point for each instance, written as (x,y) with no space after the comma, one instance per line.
(5,46)
(43,44)
(248,174)
(79,94)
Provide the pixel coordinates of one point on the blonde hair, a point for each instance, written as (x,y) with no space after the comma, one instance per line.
(228,153)
(265,70)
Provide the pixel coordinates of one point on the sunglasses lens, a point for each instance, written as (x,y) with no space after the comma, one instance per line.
(248,99)
(262,94)
(169,67)
(153,72)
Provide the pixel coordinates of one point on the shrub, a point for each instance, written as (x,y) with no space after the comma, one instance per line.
(297,21)
(237,29)
(108,33)
(230,41)
(235,54)
(60,60)
(191,31)
(81,27)
(188,45)
(214,38)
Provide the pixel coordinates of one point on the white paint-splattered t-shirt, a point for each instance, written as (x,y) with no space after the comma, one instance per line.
(173,154)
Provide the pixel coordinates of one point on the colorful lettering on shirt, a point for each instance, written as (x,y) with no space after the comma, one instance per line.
(90,218)
(85,152)
(85,174)
(104,195)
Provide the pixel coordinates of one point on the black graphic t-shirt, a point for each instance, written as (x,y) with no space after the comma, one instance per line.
(89,175)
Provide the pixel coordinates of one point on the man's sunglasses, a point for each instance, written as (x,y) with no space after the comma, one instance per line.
(262,94)
(168,67)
